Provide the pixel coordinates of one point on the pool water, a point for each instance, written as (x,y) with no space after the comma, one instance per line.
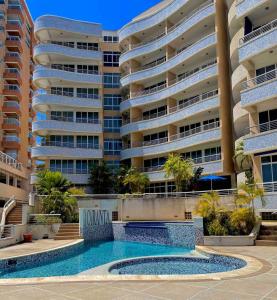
(91,255)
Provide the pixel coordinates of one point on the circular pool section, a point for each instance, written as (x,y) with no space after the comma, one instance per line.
(177,265)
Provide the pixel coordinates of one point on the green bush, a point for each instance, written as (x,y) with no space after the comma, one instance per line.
(243,220)
(47,220)
(215,228)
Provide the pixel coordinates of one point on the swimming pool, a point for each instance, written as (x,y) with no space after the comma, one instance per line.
(87,256)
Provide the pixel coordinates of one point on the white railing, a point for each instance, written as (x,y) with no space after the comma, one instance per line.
(12,87)
(8,160)
(263,127)
(72,46)
(180,77)
(258,32)
(70,145)
(77,120)
(259,79)
(7,231)
(9,205)
(68,94)
(160,35)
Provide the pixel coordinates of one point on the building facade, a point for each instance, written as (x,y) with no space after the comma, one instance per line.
(16,31)
(77,98)
(253,56)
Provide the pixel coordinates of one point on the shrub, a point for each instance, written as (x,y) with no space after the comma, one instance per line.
(243,220)
(47,220)
(215,228)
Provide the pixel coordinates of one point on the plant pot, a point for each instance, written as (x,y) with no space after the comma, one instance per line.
(28,237)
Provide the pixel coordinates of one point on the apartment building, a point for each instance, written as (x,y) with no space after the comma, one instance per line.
(15,98)
(77,98)
(176,82)
(253,55)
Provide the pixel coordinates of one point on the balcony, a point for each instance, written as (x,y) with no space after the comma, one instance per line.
(259,89)
(196,105)
(161,66)
(244,7)
(197,136)
(13,57)
(11,107)
(15,26)
(43,77)
(13,74)
(12,90)
(12,124)
(50,150)
(8,160)
(46,101)
(258,41)
(11,142)
(262,138)
(45,53)
(188,80)
(14,42)
(212,165)
(62,125)
(156,42)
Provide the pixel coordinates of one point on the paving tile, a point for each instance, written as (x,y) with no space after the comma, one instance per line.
(138,286)
(273,294)
(213,294)
(10,289)
(140,296)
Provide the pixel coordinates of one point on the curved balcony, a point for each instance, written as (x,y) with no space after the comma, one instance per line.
(178,59)
(186,81)
(47,23)
(194,106)
(262,138)
(45,127)
(244,7)
(48,102)
(200,135)
(200,14)
(259,89)
(43,77)
(50,151)
(73,177)
(239,75)
(45,53)
(240,119)
(212,166)
(258,41)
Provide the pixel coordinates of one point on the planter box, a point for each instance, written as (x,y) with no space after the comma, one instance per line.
(240,240)
(40,231)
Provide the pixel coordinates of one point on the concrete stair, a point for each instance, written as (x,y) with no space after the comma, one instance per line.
(15,216)
(267,235)
(68,232)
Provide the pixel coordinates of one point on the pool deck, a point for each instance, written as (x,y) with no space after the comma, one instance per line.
(259,285)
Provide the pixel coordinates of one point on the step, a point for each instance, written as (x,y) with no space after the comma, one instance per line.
(266,243)
(268,237)
(269,227)
(67,233)
(73,237)
(268,232)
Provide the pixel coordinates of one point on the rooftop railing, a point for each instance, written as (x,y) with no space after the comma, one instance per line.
(8,160)
(271,75)
(250,36)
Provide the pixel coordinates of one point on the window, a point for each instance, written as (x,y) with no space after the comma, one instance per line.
(155,138)
(154,163)
(112,102)
(114,165)
(111,59)
(112,124)
(212,154)
(269,168)
(112,80)
(63,91)
(196,156)
(85,69)
(88,46)
(112,147)
(63,166)
(110,39)
(190,129)
(87,117)
(266,73)
(91,93)
(66,67)
(12,153)
(84,166)
(3,178)
(65,116)
(88,142)
(211,123)
(65,44)
(2,15)
(155,87)
(61,141)
(155,113)
(268,120)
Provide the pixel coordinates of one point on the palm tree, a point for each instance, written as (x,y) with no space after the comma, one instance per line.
(244,162)
(101,179)
(180,169)
(136,180)
(209,204)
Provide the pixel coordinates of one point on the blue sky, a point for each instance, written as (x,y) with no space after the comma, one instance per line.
(113,14)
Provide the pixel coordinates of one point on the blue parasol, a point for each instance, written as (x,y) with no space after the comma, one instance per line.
(212,178)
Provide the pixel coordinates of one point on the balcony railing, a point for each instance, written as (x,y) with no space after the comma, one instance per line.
(15,22)
(175,137)
(13,104)
(71,171)
(11,138)
(73,70)
(13,54)
(11,121)
(160,35)
(198,160)
(75,120)
(8,160)
(12,87)
(70,145)
(13,38)
(250,36)
(178,79)
(259,79)
(73,46)
(68,94)
(263,127)
(13,70)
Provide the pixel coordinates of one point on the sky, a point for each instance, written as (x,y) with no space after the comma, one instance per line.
(113,14)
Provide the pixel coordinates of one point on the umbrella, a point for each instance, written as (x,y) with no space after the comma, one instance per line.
(212,178)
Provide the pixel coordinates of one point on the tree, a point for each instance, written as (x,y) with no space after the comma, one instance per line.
(192,183)
(208,205)
(119,176)
(136,181)
(101,179)
(180,169)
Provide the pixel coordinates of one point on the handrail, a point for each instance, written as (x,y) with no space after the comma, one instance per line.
(6,159)
(175,26)
(179,78)
(88,48)
(70,145)
(77,120)
(9,205)
(68,94)
(175,137)
(263,127)
(6,231)
(259,79)
(68,69)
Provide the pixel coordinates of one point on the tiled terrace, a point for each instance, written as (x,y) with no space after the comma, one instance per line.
(262,285)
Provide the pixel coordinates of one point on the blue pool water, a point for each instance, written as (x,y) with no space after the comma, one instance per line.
(91,255)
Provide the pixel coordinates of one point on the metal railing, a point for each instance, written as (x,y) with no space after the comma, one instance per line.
(259,79)
(14,104)
(13,38)
(68,69)
(7,231)
(15,22)
(68,94)
(77,120)
(8,160)
(12,87)
(12,70)
(175,137)
(11,138)
(13,54)
(258,32)
(72,46)
(70,145)
(263,127)
(172,28)
(181,77)
(11,121)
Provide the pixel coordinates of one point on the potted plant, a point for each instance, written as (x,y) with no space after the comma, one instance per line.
(28,237)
